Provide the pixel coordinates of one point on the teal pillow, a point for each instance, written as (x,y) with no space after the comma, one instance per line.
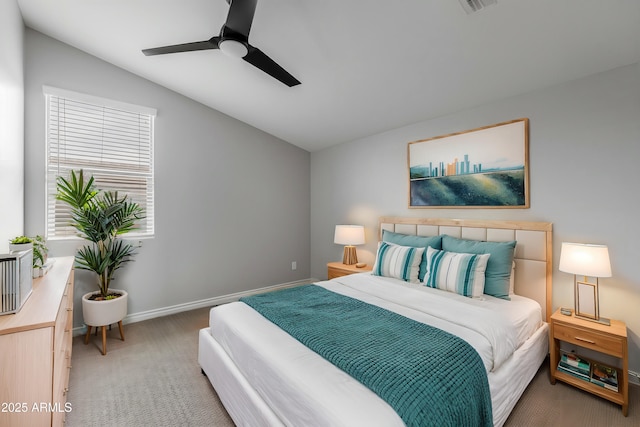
(498,273)
(415,242)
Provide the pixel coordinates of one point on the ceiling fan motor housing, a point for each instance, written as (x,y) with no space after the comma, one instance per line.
(232,43)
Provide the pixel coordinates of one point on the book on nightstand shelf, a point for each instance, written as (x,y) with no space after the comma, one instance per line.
(604,376)
(572,364)
(574,373)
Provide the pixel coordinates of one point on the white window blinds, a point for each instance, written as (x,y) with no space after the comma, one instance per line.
(111,140)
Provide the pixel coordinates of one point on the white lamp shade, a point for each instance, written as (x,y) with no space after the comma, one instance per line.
(349,235)
(585,260)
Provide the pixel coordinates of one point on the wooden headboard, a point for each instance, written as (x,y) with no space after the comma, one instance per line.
(533,256)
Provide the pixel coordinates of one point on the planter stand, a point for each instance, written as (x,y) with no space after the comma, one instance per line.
(100,314)
(104,335)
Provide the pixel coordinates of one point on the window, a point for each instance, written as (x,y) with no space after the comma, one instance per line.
(111,140)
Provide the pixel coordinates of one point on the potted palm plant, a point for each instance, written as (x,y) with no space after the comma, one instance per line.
(100,217)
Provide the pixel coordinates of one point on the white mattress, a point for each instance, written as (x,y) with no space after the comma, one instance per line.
(297,387)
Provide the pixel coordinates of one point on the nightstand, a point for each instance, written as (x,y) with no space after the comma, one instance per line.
(337,269)
(611,340)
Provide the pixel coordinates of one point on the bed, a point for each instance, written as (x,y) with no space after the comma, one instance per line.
(266,377)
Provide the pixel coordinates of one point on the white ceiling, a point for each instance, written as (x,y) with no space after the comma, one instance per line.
(365,66)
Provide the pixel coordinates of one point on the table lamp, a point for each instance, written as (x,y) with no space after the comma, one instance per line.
(349,235)
(589,261)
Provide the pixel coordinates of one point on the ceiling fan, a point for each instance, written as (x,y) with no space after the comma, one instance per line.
(234,41)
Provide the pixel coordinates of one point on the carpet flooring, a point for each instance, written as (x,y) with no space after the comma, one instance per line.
(150,379)
(153,379)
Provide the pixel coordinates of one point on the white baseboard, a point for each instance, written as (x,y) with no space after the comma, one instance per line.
(209,302)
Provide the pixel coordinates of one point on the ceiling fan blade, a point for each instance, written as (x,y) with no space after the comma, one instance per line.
(259,59)
(185,47)
(240,16)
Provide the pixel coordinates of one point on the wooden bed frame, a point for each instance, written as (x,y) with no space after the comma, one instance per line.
(533,256)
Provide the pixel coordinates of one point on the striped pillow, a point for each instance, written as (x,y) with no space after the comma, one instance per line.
(400,262)
(456,272)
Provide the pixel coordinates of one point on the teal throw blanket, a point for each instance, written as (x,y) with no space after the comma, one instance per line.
(428,376)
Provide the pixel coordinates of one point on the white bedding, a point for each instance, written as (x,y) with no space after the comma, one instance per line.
(493,326)
(301,388)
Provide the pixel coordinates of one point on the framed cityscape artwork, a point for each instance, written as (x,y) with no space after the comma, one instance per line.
(486,167)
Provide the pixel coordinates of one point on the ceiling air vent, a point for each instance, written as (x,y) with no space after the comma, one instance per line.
(471,6)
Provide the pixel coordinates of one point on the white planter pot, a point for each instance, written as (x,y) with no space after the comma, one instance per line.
(102,313)
(19,247)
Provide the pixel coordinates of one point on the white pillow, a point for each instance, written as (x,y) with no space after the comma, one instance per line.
(457,272)
(400,262)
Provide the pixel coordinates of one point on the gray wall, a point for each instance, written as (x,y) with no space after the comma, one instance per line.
(11,123)
(584,151)
(227,194)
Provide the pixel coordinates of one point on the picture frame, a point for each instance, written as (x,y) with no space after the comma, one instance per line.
(586,297)
(486,167)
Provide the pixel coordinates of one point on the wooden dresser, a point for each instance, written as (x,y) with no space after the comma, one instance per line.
(35,352)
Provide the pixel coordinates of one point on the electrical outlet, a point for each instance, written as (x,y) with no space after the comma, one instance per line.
(294,265)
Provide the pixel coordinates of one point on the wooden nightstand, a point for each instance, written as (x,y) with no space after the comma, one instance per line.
(337,269)
(611,340)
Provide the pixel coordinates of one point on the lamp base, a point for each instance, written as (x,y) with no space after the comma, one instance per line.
(349,257)
(601,320)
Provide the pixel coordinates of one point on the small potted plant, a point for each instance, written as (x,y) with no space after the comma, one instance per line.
(20,243)
(40,255)
(40,251)
(101,217)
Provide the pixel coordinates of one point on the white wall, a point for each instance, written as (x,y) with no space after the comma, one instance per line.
(11,123)
(584,151)
(227,194)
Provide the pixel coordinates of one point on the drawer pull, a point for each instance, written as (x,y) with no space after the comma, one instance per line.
(585,340)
